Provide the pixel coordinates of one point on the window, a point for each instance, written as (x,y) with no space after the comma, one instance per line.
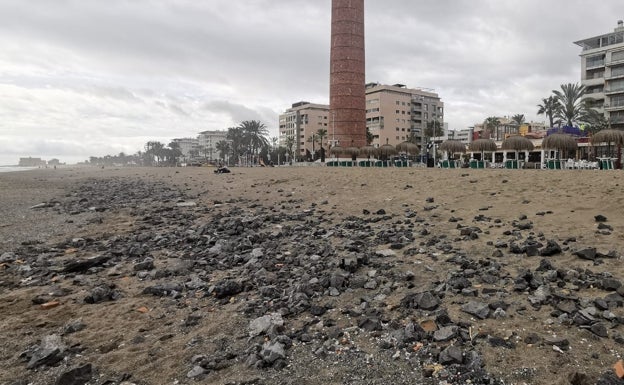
(397,138)
(397,128)
(398,120)
(403,103)
(595,61)
(617,56)
(397,111)
(398,103)
(403,112)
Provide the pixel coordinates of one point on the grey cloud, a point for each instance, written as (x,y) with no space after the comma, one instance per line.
(238,113)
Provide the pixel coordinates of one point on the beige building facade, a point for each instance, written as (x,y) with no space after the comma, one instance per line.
(188,147)
(302,122)
(602,73)
(395,113)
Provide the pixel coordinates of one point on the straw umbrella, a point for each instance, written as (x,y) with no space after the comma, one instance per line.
(517,143)
(352,151)
(453,146)
(407,147)
(559,142)
(336,150)
(387,149)
(368,151)
(482,145)
(610,136)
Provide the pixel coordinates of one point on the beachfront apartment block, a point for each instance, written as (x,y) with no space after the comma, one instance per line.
(207,143)
(602,73)
(188,147)
(393,114)
(302,121)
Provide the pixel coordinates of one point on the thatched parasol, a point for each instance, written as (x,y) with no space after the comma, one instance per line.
(610,136)
(385,150)
(352,151)
(368,151)
(517,143)
(482,145)
(559,142)
(336,150)
(453,146)
(407,147)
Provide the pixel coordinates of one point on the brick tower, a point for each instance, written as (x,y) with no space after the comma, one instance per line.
(347,90)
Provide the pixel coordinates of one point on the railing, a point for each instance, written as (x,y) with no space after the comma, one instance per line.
(614,90)
(596,64)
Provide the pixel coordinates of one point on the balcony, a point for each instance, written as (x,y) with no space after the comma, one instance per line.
(615,62)
(617,75)
(613,91)
(593,81)
(595,65)
(617,106)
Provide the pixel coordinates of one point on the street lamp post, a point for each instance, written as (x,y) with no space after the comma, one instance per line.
(333,143)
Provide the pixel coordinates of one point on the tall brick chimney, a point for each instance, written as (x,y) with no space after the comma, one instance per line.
(347,89)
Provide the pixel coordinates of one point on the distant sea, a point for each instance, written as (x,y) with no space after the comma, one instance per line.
(15,168)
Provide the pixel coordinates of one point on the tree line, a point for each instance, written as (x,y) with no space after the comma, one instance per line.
(247,143)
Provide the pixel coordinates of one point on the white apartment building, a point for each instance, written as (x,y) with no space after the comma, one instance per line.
(602,73)
(207,143)
(188,147)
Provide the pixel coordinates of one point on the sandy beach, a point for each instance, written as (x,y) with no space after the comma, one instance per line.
(170,239)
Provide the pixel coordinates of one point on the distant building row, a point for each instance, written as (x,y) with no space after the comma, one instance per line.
(37,162)
(394,114)
(204,146)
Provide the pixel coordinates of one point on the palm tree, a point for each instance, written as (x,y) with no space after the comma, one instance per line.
(434,128)
(518,119)
(174,152)
(290,143)
(571,103)
(236,138)
(549,107)
(255,135)
(155,150)
(595,120)
(322,133)
(491,125)
(223,146)
(370,137)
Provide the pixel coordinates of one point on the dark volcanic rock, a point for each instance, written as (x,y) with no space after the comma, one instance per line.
(80,266)
(587,253)
(50,351)
(451,355)
(78,376)
(102,293)
(478,309)
(600,218)
(551,248)
(227,288)
(165,289)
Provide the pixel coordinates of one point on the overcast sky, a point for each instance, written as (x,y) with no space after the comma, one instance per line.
(91,77)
